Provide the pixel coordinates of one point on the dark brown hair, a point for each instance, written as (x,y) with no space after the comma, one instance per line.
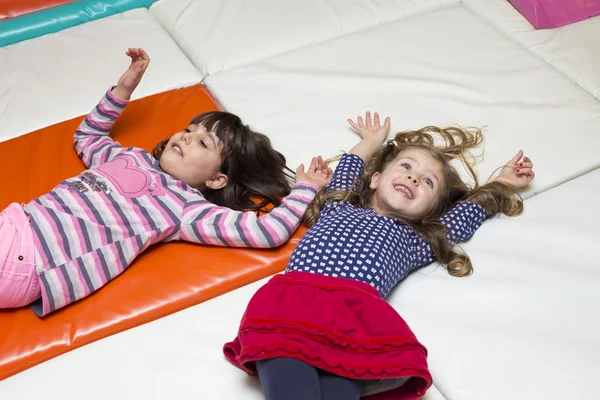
(257,174)
(456,144)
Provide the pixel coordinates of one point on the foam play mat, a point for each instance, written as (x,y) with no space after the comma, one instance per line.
(15,8)
(25,339)
(554,13)
(30,19)
(529,71)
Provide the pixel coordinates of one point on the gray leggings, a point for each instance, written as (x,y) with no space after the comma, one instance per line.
(291,379)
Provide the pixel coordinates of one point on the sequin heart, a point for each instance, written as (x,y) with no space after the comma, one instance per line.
(128,179)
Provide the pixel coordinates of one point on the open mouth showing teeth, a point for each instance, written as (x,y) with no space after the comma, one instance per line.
(404,191)
(177,149)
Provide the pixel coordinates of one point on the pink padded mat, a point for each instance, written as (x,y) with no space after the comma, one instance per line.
(544,14)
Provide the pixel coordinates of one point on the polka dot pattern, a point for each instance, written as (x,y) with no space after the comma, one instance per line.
(351,242)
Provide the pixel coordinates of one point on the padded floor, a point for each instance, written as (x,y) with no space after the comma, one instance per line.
(60,76)
(525,325)
(524,316)
(573,49)
(163,280)
(470,75)
(15,8)
(238,32)
(177,357)
(520,328)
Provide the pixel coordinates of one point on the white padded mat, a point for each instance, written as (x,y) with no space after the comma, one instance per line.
(60,76)
(573,49)
(525,325)
(177,357)
(443,67)
(220,35)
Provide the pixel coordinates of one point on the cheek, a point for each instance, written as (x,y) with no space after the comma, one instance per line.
(205,162)
(429,197)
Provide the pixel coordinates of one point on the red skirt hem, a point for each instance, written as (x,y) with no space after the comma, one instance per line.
(338,325)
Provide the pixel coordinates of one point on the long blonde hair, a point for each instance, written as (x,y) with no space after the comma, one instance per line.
(456,144)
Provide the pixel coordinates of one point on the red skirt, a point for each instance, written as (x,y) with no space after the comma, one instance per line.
(336,324)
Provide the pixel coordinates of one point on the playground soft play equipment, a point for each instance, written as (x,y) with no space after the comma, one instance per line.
(555,13)
(522,327)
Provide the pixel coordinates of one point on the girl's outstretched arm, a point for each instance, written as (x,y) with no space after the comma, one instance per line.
(92,141)
(372,133)
(351,165)
(207,223)
(460,223)
(497,196)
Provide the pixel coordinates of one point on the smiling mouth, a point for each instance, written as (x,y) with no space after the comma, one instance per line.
(177,149)
(404,191)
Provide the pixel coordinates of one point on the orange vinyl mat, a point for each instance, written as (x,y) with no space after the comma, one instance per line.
(15,8)
(165,279)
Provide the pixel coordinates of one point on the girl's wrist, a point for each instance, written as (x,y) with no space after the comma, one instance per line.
(121,93)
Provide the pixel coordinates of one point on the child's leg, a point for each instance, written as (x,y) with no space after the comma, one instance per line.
(288,379)
(19,283)
(334,387)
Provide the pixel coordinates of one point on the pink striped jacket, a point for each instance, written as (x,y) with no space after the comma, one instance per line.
(89,228)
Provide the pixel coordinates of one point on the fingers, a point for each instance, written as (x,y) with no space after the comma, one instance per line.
(367,121)
(321,165)
(313,165)
(376,120)
(525,164)
(143,54)
(360,122)
(318,166)
(300,169)
(526,173)
(523,171)
(138,54)
(386,123)
(353,124)
(516,158)
(134,53)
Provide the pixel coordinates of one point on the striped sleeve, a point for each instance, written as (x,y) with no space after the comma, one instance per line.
(461,223)
(206,223)
(92,141)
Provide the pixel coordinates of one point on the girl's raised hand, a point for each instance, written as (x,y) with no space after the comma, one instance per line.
(518,172)
(317,174)
(132,77)
(371,129)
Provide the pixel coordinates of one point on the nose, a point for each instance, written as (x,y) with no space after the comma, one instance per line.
(413,180)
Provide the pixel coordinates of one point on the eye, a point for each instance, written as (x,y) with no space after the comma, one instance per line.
(406,166)
(428,182)
(186,130)
(203,144)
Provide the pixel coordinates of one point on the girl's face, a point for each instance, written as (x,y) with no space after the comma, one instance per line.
(409,186)
(194,156)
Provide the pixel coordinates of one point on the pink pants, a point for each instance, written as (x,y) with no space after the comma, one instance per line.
(19,282)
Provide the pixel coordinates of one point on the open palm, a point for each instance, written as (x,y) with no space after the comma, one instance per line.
(371,128)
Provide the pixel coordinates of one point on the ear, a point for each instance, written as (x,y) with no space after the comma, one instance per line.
(218,181)
(375,180)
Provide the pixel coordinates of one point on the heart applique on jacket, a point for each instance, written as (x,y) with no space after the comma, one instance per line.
(127,178)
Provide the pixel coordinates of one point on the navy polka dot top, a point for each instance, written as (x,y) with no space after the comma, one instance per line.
(351,242)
